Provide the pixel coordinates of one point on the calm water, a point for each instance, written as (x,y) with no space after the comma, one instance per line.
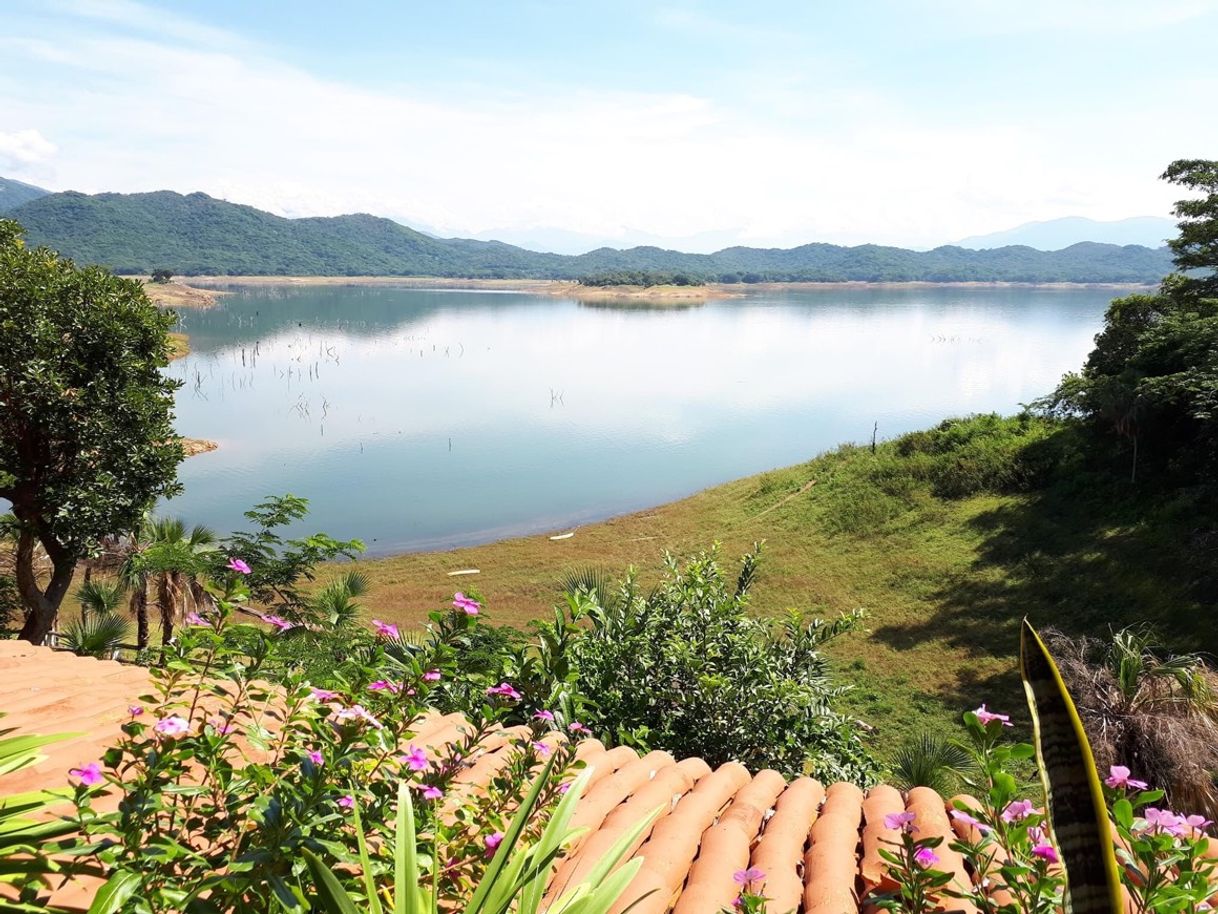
(422,419)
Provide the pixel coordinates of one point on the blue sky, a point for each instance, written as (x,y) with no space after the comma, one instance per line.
(698,124)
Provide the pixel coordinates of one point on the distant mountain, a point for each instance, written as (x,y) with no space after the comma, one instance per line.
(1055,234)
(198,234)
(14,193)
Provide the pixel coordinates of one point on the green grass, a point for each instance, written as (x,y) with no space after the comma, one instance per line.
(945,578)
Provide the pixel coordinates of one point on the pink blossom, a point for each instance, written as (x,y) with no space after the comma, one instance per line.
(493,840)
(1046,852)
(900,821)
(987,717)
(346,802)
(504,690)
(563,788)
(172,726)
(542,748)
(315,756)
(461,601)
(385,629)
(925,857)
(355,714)
(1017,810)
(431,676)
(135,710)
(415,759)
(1163,820)
(195,619)
(237,565)
(744,877)
(279,622)
(1198,823)
(222,725)
(90,775)
(322,694)
(969,819)
(430,791)
(547,716)
(384,685)
(576,727)
(1118,776)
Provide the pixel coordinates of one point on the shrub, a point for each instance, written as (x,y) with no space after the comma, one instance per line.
(686,668)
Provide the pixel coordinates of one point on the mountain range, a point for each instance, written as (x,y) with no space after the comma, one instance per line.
(197,234)
(1055,234)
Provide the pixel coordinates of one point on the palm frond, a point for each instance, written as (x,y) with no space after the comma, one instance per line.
(99,596)
(98,635)
(930,760)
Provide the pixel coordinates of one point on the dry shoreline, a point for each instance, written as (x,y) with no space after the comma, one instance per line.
(216,285)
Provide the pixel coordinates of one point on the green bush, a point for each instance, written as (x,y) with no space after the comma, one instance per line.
(686,668)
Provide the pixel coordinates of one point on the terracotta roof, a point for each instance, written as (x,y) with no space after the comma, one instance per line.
(817,844)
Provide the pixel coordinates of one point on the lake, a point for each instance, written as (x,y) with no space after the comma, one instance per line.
(421,419)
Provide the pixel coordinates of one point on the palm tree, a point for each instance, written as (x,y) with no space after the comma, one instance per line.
(166,558)
(1153,712)
(335,603)
(100,597)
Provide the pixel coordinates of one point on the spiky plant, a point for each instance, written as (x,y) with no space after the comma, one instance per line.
(930,760)
(335,603)
(1147,709)
(594,580)
(98,635)
(100,597)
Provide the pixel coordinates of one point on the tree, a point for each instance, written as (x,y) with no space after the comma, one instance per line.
(159,276)
(86,417)
(166,557)
(1153,375)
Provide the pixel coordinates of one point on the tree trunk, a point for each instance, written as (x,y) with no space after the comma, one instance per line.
(41,606)
(139,608)
(167,600)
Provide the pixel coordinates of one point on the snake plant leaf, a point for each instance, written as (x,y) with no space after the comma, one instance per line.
(1072,786)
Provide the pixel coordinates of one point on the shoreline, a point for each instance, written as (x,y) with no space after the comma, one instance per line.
(214,285)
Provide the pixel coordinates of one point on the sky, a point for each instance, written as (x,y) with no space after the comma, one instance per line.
(567,124)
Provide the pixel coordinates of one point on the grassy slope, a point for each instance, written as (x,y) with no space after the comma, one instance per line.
(944,581)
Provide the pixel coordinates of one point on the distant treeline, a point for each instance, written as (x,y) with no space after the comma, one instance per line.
(646,278)
(197,234)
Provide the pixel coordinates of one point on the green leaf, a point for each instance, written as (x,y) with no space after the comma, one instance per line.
(1075,797)
(333,897)
(115,893)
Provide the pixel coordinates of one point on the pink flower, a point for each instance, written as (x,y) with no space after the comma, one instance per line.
(925,857)
(504,690)
(576,727)
(384,685)
(1198,823)
(430,791)
(172,726)
(431,676)
(195,619)
(415,759)
(1165,821)
(987,717)
(547,716)
(346,802)
(279,622)
(356,714)
(222,725)
(461,601)
(1046,852)
(543,749)
(385,629)
(744,877)
(969,819)
(90,775)
(322,694)
(1017,810)
(238,566)
(315,756)
(135,710)
(900,821)
(563,788)
(492,841)
(1118,776)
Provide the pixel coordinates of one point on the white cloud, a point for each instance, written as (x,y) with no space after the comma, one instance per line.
(24,147)
(189,107)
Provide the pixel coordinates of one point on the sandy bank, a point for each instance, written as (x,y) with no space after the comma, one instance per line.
(195,446)
(177,294)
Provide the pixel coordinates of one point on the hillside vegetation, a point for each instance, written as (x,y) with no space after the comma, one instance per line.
(197,234)
(14,193)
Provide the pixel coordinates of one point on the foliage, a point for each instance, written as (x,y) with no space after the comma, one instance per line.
(280,566)
(645,278)
(1146,709)
(515,878)
(1152,380)
(930,759)
(86,434)
(199,234)
(225,781)
(98,596)
(687,668)
(25,836)
(14,193)
(160,276)
(98,635)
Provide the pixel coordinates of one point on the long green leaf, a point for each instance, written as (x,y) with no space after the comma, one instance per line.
(1072,787)
(115,893)
(330,892)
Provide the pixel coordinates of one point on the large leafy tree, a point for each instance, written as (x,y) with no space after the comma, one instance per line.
(1152,379)
(86,434)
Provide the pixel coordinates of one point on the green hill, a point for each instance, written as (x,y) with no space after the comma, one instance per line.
(198,234)
(14,193)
